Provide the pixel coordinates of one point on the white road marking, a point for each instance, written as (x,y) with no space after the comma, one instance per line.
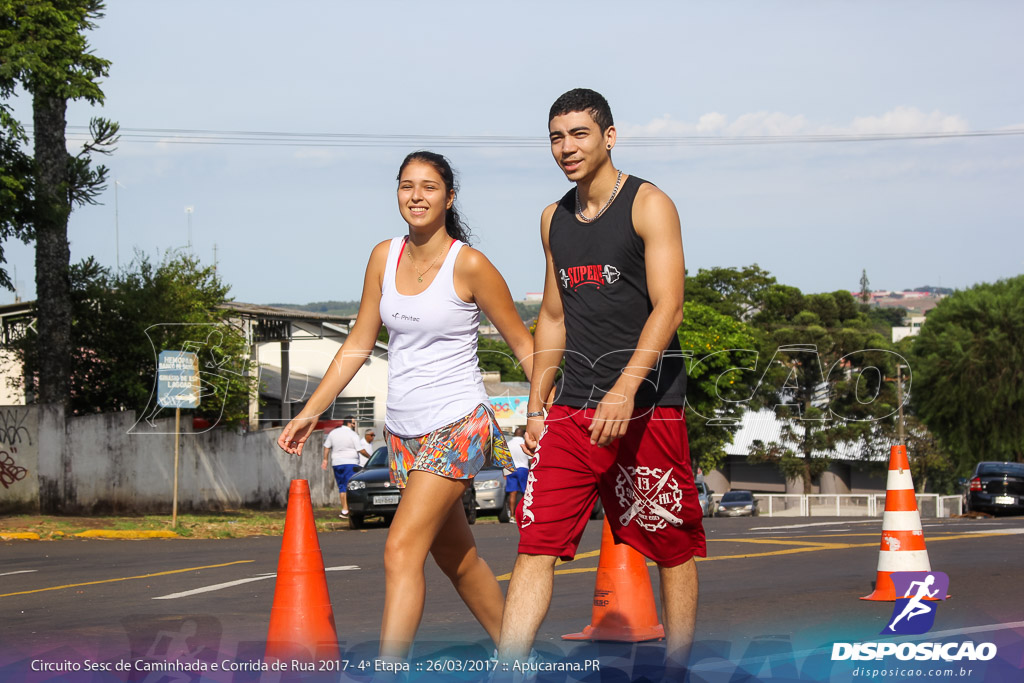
(239,582)
(809,524)
(996,531)
(23,571)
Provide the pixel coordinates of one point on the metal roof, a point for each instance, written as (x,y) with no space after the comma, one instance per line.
(764,426)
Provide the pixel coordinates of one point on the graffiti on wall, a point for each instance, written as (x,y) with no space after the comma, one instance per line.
(12,427)
(10,472)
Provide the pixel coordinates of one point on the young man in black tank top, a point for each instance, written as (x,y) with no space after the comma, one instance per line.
(613,300)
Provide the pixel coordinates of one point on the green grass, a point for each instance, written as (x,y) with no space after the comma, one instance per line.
(226,524)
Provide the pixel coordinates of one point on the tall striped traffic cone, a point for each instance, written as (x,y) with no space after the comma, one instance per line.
(902,547)
(301,619)
(624,609)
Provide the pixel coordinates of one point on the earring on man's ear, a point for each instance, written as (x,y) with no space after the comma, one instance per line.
(609,146)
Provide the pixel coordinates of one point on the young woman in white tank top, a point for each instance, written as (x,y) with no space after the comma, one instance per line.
(429,289)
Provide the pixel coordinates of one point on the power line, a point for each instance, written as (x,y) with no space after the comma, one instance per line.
(183,136)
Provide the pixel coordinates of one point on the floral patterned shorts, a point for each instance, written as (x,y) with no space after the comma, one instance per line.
(456,451)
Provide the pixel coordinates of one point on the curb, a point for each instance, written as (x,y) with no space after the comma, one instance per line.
(20,536)
(113,533)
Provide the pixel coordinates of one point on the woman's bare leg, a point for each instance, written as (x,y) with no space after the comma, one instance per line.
(422,513)
(454,550)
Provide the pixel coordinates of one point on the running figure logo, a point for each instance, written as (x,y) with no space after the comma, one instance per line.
(912,615)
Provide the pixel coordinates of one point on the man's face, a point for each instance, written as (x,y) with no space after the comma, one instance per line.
(578,145)
(370,436)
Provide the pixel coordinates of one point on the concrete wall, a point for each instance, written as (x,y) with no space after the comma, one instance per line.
(836,479)
(19,458)
(107,463)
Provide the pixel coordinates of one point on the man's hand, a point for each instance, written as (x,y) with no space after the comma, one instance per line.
(534,430)
(611,418)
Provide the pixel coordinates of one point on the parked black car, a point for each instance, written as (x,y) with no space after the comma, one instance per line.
(737,504)
(370,492)
(996,487)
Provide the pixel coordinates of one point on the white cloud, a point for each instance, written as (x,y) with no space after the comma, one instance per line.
(909,120)
(900,120)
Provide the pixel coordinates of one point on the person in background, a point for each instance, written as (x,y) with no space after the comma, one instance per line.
(343,446)
(366,449)
(515,483)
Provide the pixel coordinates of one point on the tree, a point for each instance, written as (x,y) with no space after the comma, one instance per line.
(736,293)
(122,321)
(865,291)
(15,186)
(717,390)
(43,49)
(828,378)
(496,355)
(968,364)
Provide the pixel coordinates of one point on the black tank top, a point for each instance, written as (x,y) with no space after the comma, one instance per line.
(602,277)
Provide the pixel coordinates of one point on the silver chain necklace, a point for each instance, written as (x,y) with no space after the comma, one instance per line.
(579,208)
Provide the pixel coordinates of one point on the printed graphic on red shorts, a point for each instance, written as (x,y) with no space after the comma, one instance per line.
(649,496)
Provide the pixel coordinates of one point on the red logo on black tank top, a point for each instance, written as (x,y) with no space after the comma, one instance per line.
(577,276)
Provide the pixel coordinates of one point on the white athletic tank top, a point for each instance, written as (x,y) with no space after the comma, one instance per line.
(433,371)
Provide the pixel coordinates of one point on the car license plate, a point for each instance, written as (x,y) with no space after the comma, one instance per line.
(1004,500)
(386,500)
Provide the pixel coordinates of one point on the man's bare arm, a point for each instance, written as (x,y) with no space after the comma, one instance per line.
(548,339)
(657,222)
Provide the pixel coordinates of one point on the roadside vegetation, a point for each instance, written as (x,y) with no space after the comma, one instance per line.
(226,524)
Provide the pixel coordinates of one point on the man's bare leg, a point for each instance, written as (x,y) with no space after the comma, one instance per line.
(526,605)
(679,613)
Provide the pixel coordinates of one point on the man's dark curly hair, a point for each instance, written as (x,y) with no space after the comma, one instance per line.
(584,99)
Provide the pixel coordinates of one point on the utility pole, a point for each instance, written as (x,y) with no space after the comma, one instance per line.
(188,213)
(899,399)
(117,229)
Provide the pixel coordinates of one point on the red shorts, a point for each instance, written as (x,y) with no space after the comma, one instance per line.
(645,481)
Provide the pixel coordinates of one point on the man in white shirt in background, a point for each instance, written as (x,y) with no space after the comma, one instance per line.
(343,445)
(515,483)
(366,447)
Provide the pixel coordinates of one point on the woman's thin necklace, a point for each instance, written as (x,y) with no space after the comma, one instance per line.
(419,275)
(579,208)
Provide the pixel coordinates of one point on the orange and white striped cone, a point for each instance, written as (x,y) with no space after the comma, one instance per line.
(903,548)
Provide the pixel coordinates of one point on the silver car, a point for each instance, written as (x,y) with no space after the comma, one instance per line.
(490,489)
(737,504)
(704,496)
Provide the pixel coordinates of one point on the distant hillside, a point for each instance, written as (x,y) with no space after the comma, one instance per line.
(328,307)
(527,311)
(934,290)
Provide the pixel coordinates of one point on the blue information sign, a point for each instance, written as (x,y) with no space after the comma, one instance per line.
(177,380)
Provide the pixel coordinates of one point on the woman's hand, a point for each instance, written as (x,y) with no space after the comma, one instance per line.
(295,433)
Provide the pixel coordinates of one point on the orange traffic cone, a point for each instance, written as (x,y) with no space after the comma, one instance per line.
(624,608)
(301,619)
(902,537)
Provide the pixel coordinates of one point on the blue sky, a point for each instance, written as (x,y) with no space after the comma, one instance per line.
(296,223)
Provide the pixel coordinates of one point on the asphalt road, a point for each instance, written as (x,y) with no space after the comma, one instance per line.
(767,585)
